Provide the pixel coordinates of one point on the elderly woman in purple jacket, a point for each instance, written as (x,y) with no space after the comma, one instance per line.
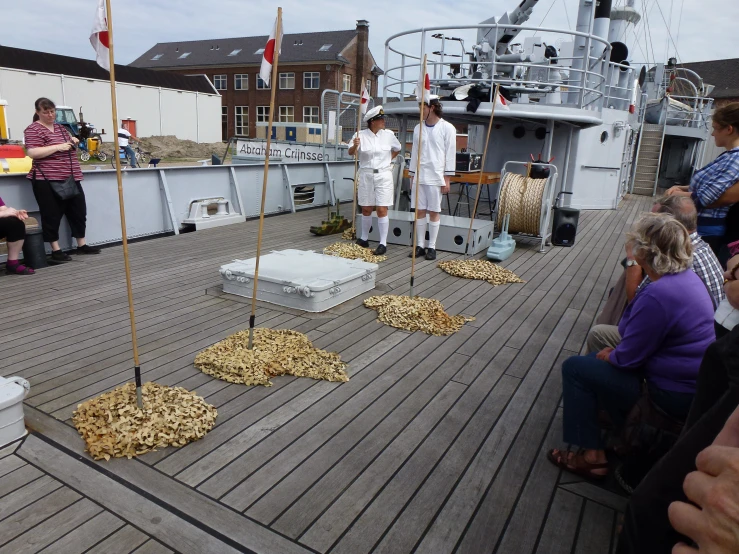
(664,333)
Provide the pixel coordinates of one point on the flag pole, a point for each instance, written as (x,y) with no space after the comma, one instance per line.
(273,86)
(124,236)
(482,169)
(418,170)
(356,166)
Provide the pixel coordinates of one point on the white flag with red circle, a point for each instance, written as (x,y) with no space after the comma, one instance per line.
(268,57)
(423,89)
(501,103)
(99,37)
(364,101)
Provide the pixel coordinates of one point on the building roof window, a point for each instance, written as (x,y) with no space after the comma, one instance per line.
(157,57)
(325,48)
(184,55)
(260,51)
(234,52)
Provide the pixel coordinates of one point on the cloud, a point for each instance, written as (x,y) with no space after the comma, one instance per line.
(706,28)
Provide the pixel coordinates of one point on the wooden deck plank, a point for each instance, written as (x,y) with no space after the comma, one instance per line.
(86,535)
(18,478)
(28,494)
(152,547)
(563,518)
(596,527)
(123,541)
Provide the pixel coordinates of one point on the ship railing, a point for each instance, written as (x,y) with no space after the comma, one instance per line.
(577,83)
(699,117)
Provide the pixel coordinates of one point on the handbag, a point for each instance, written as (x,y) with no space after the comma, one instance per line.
(65,189)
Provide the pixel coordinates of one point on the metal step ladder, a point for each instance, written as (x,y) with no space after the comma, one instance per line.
(648,159)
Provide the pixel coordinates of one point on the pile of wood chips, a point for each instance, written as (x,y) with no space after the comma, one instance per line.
(481,270)
(416,314)
(349,234)
(275,352)
(352,251)
(113,426)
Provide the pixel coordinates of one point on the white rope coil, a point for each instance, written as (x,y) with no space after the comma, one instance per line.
(521,197)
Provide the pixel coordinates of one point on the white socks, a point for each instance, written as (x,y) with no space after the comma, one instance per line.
(366,224)
(421,232)
(383,224)
(433,233)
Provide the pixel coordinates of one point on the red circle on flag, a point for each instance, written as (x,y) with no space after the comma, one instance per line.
(269,50)
(104,38)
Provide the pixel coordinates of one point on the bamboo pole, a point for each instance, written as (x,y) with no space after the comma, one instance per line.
(482,169)
(356,170)
(124,239)
(418,171)
(273,86)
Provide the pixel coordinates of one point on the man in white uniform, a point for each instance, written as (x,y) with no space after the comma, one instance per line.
(377,148)
(438,162)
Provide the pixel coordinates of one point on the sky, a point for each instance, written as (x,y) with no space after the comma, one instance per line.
(698,30)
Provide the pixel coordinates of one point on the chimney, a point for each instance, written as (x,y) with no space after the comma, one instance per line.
(362,53)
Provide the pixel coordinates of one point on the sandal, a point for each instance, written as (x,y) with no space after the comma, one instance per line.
(575,462)
(18,269)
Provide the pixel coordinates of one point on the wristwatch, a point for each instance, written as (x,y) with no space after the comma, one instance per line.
(630,263)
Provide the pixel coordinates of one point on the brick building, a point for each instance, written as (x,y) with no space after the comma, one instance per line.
(723,74)
(309,63)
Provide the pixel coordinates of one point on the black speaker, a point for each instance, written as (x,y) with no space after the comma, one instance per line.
(564,226)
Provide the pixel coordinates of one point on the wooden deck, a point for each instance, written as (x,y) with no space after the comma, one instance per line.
(435,445)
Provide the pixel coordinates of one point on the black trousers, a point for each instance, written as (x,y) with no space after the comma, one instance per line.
(720,247)
(12,229)
(52,209)
(647,528)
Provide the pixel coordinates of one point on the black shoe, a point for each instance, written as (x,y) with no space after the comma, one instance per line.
(380,250)
(420,252)
(363,243)
(431,254)
(87,249)
(59,256)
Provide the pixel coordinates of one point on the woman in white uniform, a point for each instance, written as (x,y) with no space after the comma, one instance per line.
(377,148)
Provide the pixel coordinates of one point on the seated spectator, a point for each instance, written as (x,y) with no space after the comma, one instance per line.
(647,529)
(665,332)
(714,488)
(705,265)
(13,230)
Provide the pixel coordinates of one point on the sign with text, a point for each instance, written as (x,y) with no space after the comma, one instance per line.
(289,152)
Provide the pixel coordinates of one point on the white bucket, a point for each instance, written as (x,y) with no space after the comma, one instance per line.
(12,392)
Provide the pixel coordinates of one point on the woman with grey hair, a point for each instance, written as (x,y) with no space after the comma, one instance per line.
(665,331)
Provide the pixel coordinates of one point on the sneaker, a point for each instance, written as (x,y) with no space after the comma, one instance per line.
(431,254)
(420,252)
(380,250)
(59,256)
(363,243)
(87,249)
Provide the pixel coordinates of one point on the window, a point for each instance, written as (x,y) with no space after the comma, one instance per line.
(311,80)
(157,57)
(287,114)
(347,83)
(287,80)
(224,122)
(184,55)
(220,82)
(325,48)
(368,85)
(310,114)
(234,52)
(242,121)
(261,85)
(262,114)
(260,51)
(241,81)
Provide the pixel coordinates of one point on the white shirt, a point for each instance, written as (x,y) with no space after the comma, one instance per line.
(375,150)
(439,156)
(726,315)
(123,137)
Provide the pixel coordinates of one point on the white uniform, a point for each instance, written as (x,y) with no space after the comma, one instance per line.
(438,159)
(375,154)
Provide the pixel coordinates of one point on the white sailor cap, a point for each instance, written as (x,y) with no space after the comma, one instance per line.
(431,98)
(375,113)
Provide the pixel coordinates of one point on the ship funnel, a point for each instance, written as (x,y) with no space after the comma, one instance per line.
(619,52)
(601,24)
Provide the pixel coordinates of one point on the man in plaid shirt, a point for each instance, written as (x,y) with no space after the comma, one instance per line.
(705,263)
